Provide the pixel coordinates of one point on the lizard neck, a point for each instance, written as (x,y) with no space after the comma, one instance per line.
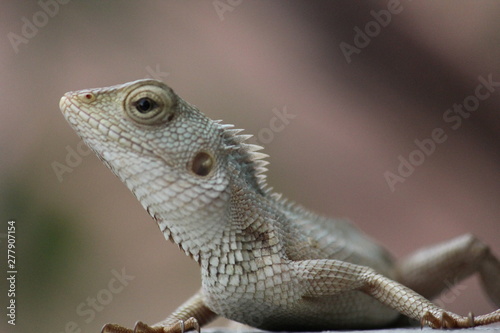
(251,220)
(238,217)
(196,227)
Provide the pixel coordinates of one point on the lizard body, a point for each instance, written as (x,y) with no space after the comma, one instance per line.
(264,261)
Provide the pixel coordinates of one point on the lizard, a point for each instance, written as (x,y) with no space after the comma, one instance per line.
(265,261)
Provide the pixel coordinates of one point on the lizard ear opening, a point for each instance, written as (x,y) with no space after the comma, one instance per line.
(150,105)
(202,164)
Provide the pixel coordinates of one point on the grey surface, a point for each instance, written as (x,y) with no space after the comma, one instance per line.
(489,328)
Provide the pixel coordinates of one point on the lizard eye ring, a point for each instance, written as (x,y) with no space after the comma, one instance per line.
(149,105)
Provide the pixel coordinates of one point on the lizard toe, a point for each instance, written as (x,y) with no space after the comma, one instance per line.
(430,320)
(141,327)
(448,321)
(115,328)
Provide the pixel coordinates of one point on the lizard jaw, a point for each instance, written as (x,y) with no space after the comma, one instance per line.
(72,106)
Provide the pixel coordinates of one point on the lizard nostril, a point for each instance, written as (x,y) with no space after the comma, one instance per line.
(87,97)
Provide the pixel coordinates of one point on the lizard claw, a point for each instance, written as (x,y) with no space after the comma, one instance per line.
(447,320)
(471,319)
(183,326)
(429,319)
(193,324)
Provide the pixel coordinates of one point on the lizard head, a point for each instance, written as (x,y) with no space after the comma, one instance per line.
(178,162)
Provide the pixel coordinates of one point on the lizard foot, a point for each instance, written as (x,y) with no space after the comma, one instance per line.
(448,320)
(180,327)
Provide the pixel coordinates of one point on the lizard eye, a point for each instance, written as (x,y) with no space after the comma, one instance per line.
(202,164)
(145,105)
(150,105)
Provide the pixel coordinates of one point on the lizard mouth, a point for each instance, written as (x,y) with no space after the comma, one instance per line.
(75,116)
(83,122)
(62,103)
(68,110)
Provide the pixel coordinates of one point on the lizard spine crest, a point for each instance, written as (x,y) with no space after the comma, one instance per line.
(247,155)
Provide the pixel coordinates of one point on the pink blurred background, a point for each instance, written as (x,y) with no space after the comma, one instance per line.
(237,61)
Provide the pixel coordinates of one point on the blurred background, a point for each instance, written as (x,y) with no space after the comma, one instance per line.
(361,80)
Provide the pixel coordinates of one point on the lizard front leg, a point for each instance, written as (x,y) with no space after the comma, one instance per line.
(431,270)
(189,316)
(324,277)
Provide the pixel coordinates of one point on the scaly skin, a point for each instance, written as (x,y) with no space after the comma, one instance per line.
(264,262)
